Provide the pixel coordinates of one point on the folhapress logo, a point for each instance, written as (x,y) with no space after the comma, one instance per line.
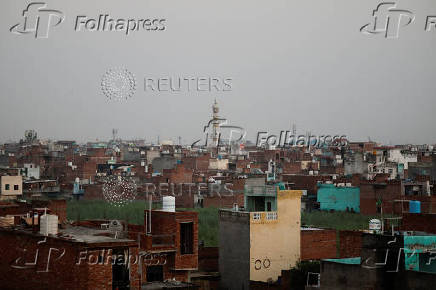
(388,20)
(38,20)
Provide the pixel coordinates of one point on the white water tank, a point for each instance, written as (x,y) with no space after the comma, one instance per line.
(115,226)
(375,225)
(169,203)
(49,225)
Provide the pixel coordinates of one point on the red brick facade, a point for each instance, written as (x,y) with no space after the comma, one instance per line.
(65,269)
(419,222)
(350,244)
(324,244)
(318,244)
(208,259)
(224,201)
(165,243)
(372,192)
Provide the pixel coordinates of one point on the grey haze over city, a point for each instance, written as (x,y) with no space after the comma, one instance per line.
(290,62)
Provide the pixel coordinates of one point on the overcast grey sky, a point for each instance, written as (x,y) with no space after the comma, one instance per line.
(304,62)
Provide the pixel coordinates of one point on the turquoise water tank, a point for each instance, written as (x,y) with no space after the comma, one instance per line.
(281,185)
(414,206)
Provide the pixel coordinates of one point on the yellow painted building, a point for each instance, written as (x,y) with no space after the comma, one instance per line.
(11,187)
(257,243)
(275,237)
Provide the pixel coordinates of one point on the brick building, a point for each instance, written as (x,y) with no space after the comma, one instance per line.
(318,244)
(419,222)
(197,163)
(11,187)
(97,254)
(57,207)
(180,174)
(350,244)
(375,195)
(172,238)
(76,258)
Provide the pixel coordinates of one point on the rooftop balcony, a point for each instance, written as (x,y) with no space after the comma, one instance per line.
(258,217)
(264,217)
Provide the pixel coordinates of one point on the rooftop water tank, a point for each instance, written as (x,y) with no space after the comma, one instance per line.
(414,206)
(115,226)
(375,225)
(49,225)
(169,203)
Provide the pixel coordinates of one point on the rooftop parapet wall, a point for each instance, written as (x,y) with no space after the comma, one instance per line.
(265,190)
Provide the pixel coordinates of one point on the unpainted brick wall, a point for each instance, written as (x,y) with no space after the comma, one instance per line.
(64,269)
(350,244)
(318,244)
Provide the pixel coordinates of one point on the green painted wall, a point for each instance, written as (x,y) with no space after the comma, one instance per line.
(335,198)
(418,253)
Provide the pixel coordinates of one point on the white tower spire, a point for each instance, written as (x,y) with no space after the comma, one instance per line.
(215,117)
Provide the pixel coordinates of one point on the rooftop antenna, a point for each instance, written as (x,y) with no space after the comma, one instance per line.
(114,134)
(308,134)
(215,124)
(149,213)
(46,220)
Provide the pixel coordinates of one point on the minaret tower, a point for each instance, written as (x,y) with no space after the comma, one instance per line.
(215,123)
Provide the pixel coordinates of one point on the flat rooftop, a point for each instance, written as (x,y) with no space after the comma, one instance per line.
(80,234)
(348,261)
(91,235)
(168,285)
